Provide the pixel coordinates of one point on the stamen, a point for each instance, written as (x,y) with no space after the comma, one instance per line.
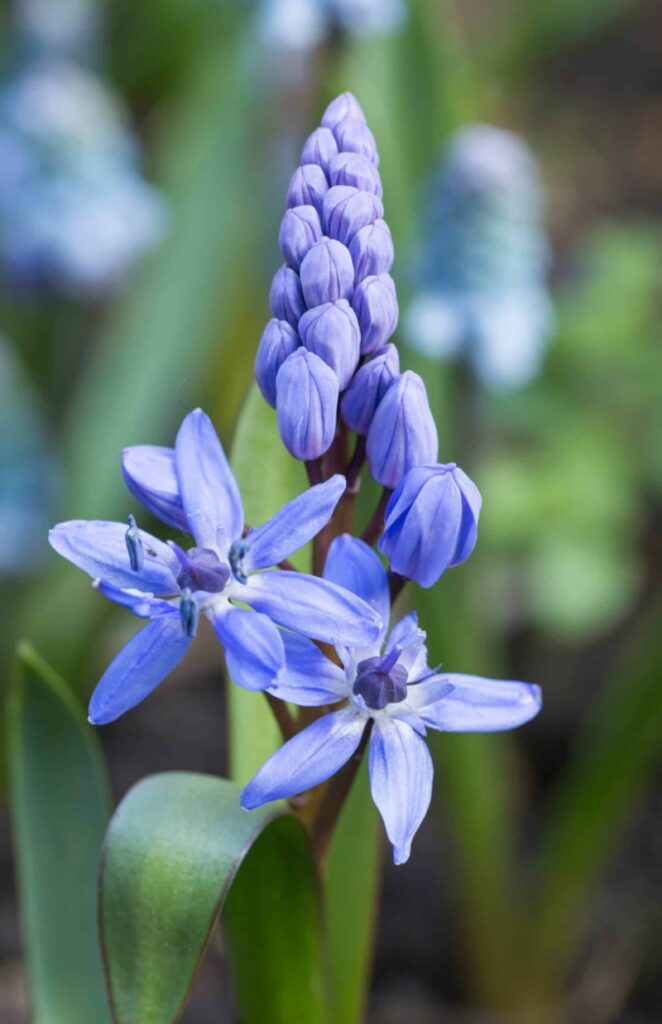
(134,545)
(189,613)
(238,552)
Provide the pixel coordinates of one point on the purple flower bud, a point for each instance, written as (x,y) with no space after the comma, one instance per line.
(345,105)
(347,209)
(307,187)
(286,296)
(278,341)
(376,306)
(371,250)
(402,434)
(320,148)
(300,228)
(431,522)
(306,403)
(357,170)
(332,332)
(354,136)
(368,387)
(327,273)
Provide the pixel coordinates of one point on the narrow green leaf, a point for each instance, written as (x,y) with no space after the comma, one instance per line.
(612,763)
(172,852)
(268,478)
(60,808)
(352,886)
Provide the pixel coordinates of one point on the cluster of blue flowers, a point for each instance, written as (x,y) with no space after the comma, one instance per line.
(301,25)
(481,272)
(326,364)
(75,212)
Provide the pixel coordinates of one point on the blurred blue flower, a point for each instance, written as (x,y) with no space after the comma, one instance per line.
(482,268)
(301,25)
(29,475)
(75,212)
(192,488)
(388,685)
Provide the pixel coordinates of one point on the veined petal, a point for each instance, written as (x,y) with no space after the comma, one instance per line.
(254,650)
(296,523)
(312,607)
(138,669)
(310,757)
(352,564)
(310,679)
(99,549)
(144,605)
(400,781)
(410,638)
(149,473)
(209,491)
(481,705)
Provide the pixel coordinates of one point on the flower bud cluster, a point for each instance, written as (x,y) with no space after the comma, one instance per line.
(484,259)
(327,352)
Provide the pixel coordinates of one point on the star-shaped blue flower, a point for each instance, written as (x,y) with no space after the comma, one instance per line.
(192,488)
(389,683)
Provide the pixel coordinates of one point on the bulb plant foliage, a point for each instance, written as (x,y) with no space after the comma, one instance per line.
(343,673)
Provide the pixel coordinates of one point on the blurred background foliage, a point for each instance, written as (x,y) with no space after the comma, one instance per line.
(531,895)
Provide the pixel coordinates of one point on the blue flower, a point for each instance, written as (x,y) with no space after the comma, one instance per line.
(385,684)
(192,488)
(431,522)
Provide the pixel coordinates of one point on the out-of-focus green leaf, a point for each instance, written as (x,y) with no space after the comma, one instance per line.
(352,890)
(268,478)
(598,788)
(172,852)
(60,809)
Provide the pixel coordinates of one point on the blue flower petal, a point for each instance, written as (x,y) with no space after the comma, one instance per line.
(138,669)
(480,705)
(253,646)
(313,607)
(207,485)
(410,638)
(145,606)
(99,549)
(296,523)
(352,564)
(309,758)
(149,473)
(400,781)
(310,679)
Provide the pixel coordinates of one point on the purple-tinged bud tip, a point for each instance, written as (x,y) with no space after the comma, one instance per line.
(307,187)
(332,332)
(320,148)
(345,105)
(327,273)
(372,251)
(402,434)
(278,341)
(353,136)
(347,209)
(300,229)
(355,169)
(376,306)
(286,296)
(306,403)
(431,522)
(370,384)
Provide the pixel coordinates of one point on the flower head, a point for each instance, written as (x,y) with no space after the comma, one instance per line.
(192,488)
(388,685)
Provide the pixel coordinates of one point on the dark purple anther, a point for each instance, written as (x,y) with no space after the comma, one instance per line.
(381,680)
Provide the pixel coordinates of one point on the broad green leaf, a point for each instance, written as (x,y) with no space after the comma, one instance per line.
(352,886)
(60,809)
(613,760)
(268,477)
(172,852)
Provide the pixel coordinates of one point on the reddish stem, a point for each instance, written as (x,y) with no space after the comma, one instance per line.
(376,524)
